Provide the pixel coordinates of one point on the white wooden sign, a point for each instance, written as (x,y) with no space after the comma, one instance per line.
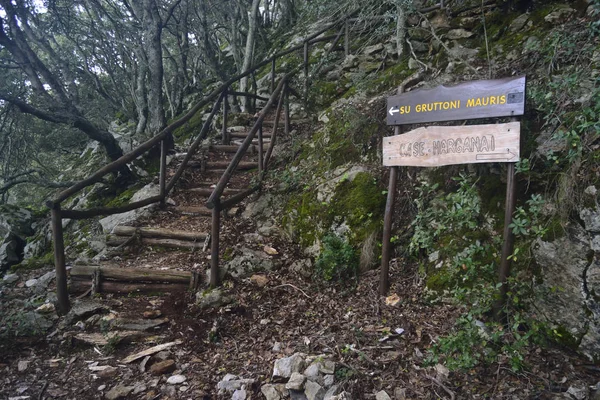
(435,146)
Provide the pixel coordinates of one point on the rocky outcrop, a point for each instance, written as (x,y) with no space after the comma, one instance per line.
(570,267)
(15,227)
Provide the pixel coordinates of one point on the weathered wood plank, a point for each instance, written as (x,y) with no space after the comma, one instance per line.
(468,100)
(158,233)
(131,274)
(208,191)
(447,145)
(80,286)
(149,352)
(200,210)
(169,243)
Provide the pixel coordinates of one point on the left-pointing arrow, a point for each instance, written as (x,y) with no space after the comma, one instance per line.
(394,110)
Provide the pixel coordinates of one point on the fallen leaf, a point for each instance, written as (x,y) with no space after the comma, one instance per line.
(392,300)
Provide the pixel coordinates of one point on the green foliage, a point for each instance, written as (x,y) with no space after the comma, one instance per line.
(34,263)
(456,212)
(338,261)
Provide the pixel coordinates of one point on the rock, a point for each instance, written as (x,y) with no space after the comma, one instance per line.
(109,223)
(33,323)
(44,280)
(413,64)
(419,47)
(400,393)
(350,62)
(10,278)
(327,367)
(559,16)
(139,388)
(312,371)
(176,379)
(109,372)
(314,391)
(303,267)
(296,382)
(118,392)
(284,367)
(239,394)
(274,392)
(367,66)
(328,380)
(456,34)
(231,383)
(518,23)
(591,220)
(83,309)
(249,261)
(163,367)
(330,392)
(578,391)
(259,280)
(141,325)
(442,372)
(342,396)
(569,281)
(22,366)
(376,48)
(9,252)
(15,220)
(270,251)
(31,283)
(212,298)
(45,308)
(382,395)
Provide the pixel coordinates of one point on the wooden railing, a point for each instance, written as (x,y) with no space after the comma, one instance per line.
(279,93)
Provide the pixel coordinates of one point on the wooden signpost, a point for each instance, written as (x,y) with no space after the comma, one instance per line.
(436,146)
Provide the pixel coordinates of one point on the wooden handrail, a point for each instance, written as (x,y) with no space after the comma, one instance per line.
(218,191)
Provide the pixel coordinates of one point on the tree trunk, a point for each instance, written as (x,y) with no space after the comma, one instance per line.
(400,30)
(248,53)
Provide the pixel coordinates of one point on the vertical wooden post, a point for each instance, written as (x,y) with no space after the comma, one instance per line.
(273,75)
(260,148)
(255,92)
(287,108)
(224,134)
(59,261)
(215,275)
(346,38)
(305,72)
(384,279)
(163,173)
(508,245)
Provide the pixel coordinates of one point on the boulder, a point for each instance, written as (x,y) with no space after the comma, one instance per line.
(560,15)
(15,220)
(285,367)
(571,271)
(109,223)
(212,299)
(10,252)
(519,23)
(376,48)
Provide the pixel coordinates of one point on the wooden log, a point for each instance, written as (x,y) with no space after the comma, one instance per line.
(169,243)
(100,339)
(159,233)
(251,95)
(200,210)
(244,165)
(149,352)
(229,148)
(243,135)
(208,191)
(274,132)
(233,200)
(85,272)
(80,286)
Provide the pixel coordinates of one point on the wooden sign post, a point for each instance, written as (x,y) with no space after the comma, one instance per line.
(436,146)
